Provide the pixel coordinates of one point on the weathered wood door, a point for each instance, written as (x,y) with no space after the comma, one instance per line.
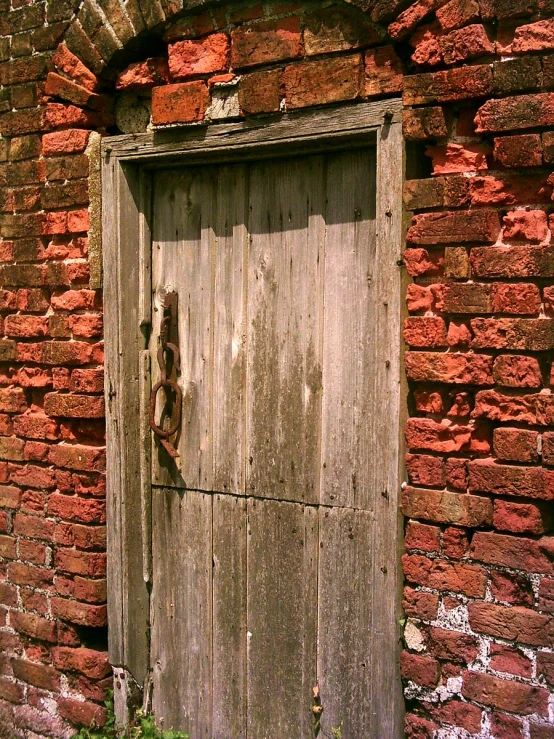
(264,533)
(265,559)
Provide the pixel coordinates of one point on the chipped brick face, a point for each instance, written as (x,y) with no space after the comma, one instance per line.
(477,80)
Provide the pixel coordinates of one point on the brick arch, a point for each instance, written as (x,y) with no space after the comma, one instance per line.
(103,33)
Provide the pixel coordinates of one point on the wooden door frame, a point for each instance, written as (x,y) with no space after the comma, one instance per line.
(126,197)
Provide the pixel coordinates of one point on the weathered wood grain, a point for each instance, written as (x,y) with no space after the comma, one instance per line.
(298,131)
(229,617)
(127,592)
(181,612)
(229,381)
(284,344)
(183,261)
(387,443)
(282,618)
(346,643)
(350,345)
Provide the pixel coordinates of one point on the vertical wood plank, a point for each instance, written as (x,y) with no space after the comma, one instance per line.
(284,367)
(229,617)
(181,614)
(387,443)
(350,343)
(128,598)
(183,253)
(229,391)
(145,452)
(345,641)
(282,618)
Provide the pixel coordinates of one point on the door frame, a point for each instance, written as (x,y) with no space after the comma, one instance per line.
(126,238)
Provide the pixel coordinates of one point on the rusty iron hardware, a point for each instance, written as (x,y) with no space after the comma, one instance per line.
(168,359)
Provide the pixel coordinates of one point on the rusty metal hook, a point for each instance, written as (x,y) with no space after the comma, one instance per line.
(167,348)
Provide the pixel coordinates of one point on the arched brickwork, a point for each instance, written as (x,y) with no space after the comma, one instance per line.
(478,87)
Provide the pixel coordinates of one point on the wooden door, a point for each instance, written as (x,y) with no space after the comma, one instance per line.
(267,534)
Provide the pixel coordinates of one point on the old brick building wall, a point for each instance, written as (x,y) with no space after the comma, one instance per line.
(477,80)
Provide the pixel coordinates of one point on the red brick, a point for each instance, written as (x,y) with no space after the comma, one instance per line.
(83,537)
(426,42)
(78,457)
(419,669)
(416,727)
(523,225)
(30,576)
(144,75)
(409,19)
(529,555)
(82,588)
(505,694)
(420,536)
(517,371)
(466,43)
(535,409)
(90,564)
(425,332)
(70,508)
(81,713)
(516,445)
(486,476)
(457,13)
(420,604)
(440,506)
(422,124)
(260,92)
(384,72)
(514,334)
(545,666)
(442,575)
(61,87)
(10,691)
(546,595)
(458,713)
(518,151)
(73,406)
(478,226)
(337,29)
(420,262)
(521,518)
(9,496)
(453,646)
(509,660)
(449,368)
(456,473)
(180,103)
(424,433)
(319,82)
(34,527)
(72,300)
(41,676)
(36,426)
(69,64)
(534,37)
(512,623)
(33,626)
(424,469)
(516,113)
(453,158)
(541,731)
(461,83)
(262,43)
(8,547)
(79,613)
(205,56)
(518,299)
(89,662)
(455,543)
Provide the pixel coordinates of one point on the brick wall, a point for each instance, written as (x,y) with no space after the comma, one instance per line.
(477,80)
